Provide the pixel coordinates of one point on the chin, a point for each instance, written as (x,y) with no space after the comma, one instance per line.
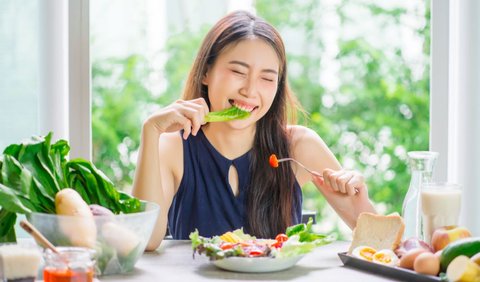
(241,124)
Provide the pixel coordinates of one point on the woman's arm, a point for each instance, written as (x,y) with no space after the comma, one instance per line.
(160,162)
(338,186)
(153,182)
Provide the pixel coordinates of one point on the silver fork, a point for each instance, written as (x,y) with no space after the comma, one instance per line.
(301,165)
(304,167)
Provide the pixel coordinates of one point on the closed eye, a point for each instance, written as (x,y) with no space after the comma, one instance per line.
(267,79)
(238,72)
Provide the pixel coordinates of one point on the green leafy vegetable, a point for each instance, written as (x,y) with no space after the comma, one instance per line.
(32,172)
(305,232)
(227,115)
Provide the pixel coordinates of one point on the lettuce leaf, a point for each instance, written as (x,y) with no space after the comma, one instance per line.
(227,115)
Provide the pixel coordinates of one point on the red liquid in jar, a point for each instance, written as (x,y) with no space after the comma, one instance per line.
(67,275)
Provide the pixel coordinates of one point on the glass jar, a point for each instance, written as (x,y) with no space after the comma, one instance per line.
(441,204)
(421,166)
(70,264)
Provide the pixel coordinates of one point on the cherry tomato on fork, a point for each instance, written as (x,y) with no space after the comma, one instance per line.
(273,161)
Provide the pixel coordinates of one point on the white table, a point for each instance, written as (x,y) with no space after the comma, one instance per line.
(173,262)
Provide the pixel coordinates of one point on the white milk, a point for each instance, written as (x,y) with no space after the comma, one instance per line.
(440,207)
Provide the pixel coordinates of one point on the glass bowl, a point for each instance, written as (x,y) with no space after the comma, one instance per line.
(118,240)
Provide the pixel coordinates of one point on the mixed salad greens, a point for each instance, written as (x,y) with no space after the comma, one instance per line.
(227,115)
(298,240)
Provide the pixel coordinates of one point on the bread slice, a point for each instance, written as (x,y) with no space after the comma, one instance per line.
(378,231)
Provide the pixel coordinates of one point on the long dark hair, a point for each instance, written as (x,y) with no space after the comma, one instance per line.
(270,194)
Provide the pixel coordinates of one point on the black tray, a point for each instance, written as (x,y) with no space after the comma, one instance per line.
(389,271)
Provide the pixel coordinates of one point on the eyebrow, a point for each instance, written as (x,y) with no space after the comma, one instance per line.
(248,66)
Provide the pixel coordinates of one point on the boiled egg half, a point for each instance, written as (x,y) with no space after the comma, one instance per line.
(386,257)
(364,252)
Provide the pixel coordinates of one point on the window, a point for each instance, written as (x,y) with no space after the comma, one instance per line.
(361,68)
(19,63)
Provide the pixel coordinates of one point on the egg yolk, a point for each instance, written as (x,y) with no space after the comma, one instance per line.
(383,258)
(367,253)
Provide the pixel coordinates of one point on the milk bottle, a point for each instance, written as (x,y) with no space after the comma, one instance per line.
(421,166)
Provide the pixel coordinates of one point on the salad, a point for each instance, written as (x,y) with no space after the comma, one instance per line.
(298,240)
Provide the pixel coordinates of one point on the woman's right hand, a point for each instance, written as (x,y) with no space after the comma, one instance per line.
(187,115)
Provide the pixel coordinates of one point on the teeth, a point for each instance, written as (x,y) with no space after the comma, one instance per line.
(243,107)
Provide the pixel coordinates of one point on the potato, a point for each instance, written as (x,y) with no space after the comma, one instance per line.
(79,227)
(462,268)
(476,259)
(119,237)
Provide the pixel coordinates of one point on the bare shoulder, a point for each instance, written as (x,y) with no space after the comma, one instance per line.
(301,137)
(171,154)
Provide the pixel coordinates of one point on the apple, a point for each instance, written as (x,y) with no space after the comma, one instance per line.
(443,236)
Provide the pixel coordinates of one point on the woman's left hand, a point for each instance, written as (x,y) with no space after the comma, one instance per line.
(347,193)
(343,181)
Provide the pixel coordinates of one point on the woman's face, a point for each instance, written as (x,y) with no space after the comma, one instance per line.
(245,75)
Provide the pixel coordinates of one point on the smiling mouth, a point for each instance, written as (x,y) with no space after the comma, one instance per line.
(243,107)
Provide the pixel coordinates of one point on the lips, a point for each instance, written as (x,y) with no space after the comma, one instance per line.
(242,105)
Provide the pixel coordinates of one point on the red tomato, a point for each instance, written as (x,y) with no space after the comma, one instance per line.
(281,237)
(226,246)
(273,161)
(255,253)
(277,245)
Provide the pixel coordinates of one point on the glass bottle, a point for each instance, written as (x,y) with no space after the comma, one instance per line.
(72,264)
(421,166)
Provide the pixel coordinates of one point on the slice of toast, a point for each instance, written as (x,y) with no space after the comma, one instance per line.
(378,231)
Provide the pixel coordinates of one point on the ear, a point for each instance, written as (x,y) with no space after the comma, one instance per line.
(205,77)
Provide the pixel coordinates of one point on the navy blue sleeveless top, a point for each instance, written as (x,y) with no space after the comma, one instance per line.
(205,200)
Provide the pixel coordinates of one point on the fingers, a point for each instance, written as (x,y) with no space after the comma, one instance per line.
(194,111)
(345,182)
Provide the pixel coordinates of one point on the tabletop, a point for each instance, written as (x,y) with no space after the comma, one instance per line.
(173,261)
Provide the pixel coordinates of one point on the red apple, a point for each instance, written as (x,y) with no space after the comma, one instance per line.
(445,235)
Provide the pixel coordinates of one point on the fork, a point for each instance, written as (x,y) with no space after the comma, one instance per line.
(301,165)
(274,163)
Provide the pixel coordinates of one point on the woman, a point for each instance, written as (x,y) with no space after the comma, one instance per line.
(216,177)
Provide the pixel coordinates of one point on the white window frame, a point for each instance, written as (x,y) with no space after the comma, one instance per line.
(80,120)
(455,99)
(65,94)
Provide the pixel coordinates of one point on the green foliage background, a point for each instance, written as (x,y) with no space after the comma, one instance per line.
(380,111)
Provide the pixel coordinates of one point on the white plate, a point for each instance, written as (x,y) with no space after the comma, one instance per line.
(257,265)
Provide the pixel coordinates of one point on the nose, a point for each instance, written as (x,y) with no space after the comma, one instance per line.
(249,87)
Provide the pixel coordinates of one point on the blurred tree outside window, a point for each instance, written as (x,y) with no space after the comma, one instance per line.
(359,67)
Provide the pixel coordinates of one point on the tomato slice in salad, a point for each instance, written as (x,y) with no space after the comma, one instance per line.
(281,237)
(227,245)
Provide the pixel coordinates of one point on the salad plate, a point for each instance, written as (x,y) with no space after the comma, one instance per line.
(240,252)
(257,265)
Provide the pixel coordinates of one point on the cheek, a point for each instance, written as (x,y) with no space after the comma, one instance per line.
(269,93)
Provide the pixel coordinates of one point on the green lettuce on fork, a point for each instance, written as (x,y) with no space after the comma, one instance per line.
(301,240)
